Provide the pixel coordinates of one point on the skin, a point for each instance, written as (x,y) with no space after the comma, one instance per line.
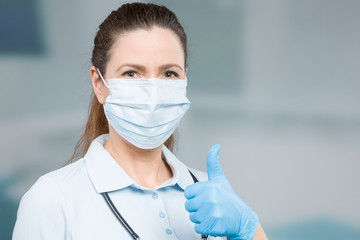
(151,49)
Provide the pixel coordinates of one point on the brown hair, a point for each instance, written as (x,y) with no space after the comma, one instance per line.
(129,17)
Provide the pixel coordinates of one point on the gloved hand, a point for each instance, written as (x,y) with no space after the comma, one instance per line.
(215,208)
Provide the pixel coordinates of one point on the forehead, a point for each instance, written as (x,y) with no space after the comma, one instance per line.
(153,46)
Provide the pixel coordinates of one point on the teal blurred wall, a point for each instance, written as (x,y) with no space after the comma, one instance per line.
(276,83)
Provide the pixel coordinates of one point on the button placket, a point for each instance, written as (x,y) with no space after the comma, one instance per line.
(162,214)
(155,196)
(168,231)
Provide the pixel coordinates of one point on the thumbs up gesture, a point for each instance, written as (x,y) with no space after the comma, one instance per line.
(215,208)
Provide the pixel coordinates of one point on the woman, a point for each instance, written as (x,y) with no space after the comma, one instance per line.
(128,184)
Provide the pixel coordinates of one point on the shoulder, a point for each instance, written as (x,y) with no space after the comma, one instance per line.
(43,195)
(68,173)
(43,208)
(49,189)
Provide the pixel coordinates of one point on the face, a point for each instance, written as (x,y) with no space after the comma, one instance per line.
(156,53)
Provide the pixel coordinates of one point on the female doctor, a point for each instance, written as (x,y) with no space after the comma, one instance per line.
(127,184)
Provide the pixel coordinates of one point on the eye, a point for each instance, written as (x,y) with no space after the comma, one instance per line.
(130,74)
(171,74)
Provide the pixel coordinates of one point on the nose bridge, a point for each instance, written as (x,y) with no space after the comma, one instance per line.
(152,69)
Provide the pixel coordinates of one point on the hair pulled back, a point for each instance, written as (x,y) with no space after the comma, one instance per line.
(128,17)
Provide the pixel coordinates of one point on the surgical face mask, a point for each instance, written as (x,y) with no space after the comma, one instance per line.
(145,111)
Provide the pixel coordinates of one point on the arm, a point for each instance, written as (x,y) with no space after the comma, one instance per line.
(260,234)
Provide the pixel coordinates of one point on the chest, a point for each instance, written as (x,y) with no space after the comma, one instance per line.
(151,214)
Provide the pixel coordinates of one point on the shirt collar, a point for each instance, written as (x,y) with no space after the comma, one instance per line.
(107,175)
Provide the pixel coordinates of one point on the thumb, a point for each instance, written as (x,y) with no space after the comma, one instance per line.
(212,162)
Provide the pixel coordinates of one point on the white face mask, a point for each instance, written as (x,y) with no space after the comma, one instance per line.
(145,111)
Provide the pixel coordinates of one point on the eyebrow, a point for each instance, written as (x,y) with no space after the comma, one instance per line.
(142,68)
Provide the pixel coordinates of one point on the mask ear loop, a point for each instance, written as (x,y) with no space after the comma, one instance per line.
(102,77)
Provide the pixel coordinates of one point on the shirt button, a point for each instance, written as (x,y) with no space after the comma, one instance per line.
(168,231)
(162,215)
(155,196)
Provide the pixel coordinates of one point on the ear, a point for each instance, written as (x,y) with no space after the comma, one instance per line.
(186,71)
(100,89)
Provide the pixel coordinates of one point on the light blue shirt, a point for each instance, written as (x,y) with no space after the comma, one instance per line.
(66,204)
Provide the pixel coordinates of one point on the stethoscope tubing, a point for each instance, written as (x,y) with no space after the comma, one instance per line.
(119,217)
(122,220)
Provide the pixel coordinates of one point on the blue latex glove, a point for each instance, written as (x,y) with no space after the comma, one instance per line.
(215,208)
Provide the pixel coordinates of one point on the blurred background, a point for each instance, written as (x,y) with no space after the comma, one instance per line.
(276,83)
